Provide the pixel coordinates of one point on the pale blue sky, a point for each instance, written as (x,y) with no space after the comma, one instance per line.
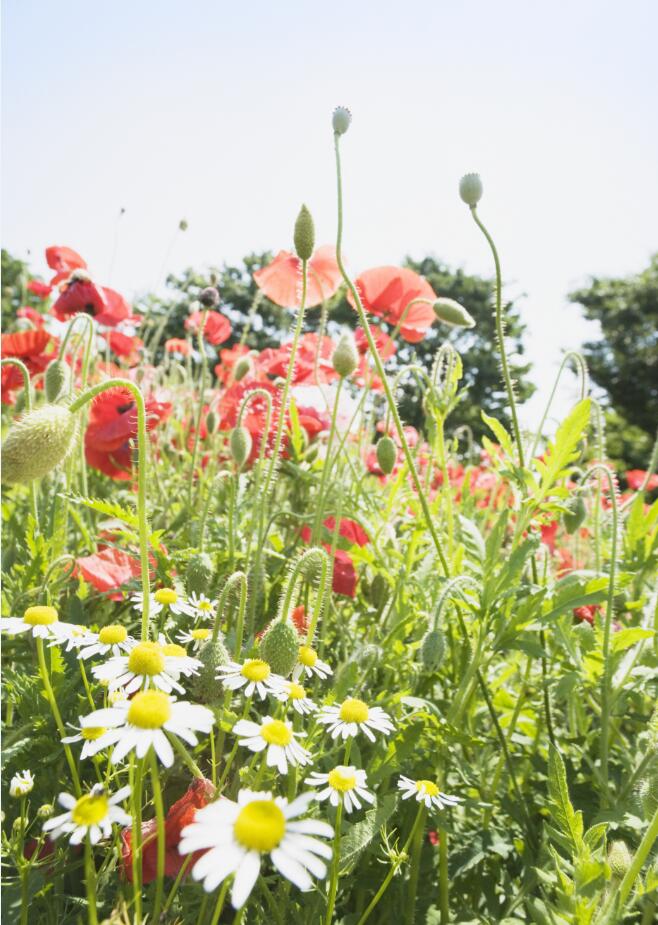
(220,113)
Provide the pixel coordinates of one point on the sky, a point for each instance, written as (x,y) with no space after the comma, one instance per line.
(220,113)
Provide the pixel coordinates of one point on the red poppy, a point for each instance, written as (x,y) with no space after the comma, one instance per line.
(79,294)
(255,417)
(182,813)
(228,357)
(549,534)
(216,330)
(63,260)
(281,280)
(387,292)
(314,422)
(108,570)
(636,477)
(28,346)
(178,345)
(124,346)
(349,530)
(386,346)
(117,310)
(39,289)
(26,311)
(586,614)
(275,361)
(345,577)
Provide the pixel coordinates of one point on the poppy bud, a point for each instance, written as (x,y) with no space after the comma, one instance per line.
(346,358)
(199,573)
(576,515)
(470,189)
(182,225)
(379,590)
(304,234)
(450,312)
(279,647)
(36,444)
(209,297)
(619,859)
(240,442)
(205,686)
(242,368)
(57,380)
(433,649)
(211,422)
(387,455)
(649,793)
(341,119)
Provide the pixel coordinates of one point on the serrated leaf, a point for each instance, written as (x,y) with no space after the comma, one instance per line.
(500,433)
(629,636)
(569,821)
(362,833)
(108,509)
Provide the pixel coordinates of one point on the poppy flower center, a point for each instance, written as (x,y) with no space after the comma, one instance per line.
(149,710)
(128,406)
(297,692)
(90,809)
(260,826)
(354,711)
(428,787)
(112,634)
(255,669)
(342,779)
(307,656)
(276,733)
(166,596)
(91,733)
(40,616)
(200,634)
(146,659)
(172,649)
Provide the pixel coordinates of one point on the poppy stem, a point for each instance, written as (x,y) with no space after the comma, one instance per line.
(90,883)
(50,694)
(160,823)
(202,391)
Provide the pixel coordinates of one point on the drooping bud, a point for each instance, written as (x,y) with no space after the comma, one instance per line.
(470,189)
(304,234)
(240,442)
(387,455)
(619,859)
(57,380)
(433,649)
(341,119)
(575,517)
(209,297)
(280,647)
(211,422)
(242,368)
(36,444)
(450,312)
(346,357)
(199,573)
(205,686)
(379,590)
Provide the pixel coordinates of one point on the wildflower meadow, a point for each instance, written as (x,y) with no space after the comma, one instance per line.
(273,655)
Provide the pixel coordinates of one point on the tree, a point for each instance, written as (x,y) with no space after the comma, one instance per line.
(624,362)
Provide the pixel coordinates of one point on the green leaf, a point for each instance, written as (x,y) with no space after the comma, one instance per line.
(362,833)
(108,508)
(500,433)
(564,450)
(568,821)
(625,638)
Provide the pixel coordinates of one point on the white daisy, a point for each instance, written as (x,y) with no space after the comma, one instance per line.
(42,621)
(164,597)
(177,661)
(310,664)
(254,675)
(113,638)
(142,722)
(427,792)
(74,638)
(21,784)
(146,665)
(195,638)
(203,606)
(90,736)
(353,716)
(294,694)
(344,784)
(278,738)
(93,813)
(238,835)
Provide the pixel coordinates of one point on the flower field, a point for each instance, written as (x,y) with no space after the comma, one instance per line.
(273,655)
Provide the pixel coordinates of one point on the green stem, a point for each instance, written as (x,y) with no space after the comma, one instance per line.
(202,391)
(416,848)
(90,883)
(45,678)
(160,823)
(626,885)
(335,864)
(444,882)
(136,841)
(220,902)
(326,467)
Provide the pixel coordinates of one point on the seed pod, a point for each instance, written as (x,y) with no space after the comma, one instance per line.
(450,312)
(619,859)
(205,686)
(433,649)
(279,647)
(379,591)
(387,455)
(470,189)
(346,358)
(242,368)
(575,517)
(211,422)
(240,443)
(649,793)
(199,573)
(209,297)
(304,234)
(57,380)
(36,444)
(341,119)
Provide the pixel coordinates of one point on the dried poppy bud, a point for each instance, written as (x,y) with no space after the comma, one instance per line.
(346,358)
(36,444)
(209,297)
(57,380)
(304,234)
(387,455)
(280,647)
(199,573)
(450,312)
(341,119)
(240,442)
(470,188)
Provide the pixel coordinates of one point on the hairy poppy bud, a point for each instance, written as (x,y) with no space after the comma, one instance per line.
(209,297)
(199,573)
(242,368)
(387,455)
(470,188)
(346,358)
(619,859)
(240,442)
(433,649)
(341,119)
(182,225)
(57,380)
(36,444)
(379,590)
(205,687)
(450,312)
(576,515)
(280,647)
(304,234)
(211,422)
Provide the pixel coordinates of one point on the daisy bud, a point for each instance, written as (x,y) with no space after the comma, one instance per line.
(57,380)
(240,442)
(433,649)
(619,859)
(341,120)
(346,358)
(242,368)
(304,234)
(36,444)
(209,297)
(205,687)
(575,516)
(450,312)
(387,455)
(211,422)
(279,647)
(199,573)
(470,189)
(45,811)
(21,784)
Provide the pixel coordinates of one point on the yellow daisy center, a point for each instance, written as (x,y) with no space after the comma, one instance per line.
(146,658)
(90,809)
(276,733)
(342,779)
(200,634)
(149,710)
(296,691)
(428,787)
(172,649)
(110,635)
(354,711)
(40,616)
(307,656)
(260,826)
(91,733)
(255,669)
(166,596)
(204,605)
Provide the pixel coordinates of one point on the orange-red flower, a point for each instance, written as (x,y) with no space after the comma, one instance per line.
(39,289)
(255,417)
(178,345)
(635,478)
(30,347)
(281,280)
(275,361)
(216,330)
(64,260)
(124,346)
(388,291)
